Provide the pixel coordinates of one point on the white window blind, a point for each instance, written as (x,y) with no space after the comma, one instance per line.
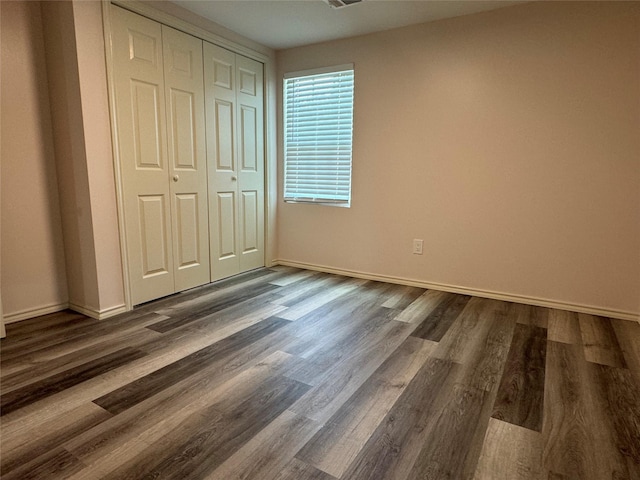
(318,126)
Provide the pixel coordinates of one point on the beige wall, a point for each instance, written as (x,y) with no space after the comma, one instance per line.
(32,257)
(508,140)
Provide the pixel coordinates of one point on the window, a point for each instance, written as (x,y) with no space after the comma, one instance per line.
(318,126)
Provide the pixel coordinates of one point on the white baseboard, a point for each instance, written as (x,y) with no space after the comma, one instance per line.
(88,311)
(98,314)
(33,312)
(507,297)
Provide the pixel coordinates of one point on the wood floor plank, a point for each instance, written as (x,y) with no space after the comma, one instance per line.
(438,322)
(396,443)
(182,303)
(266,454)
(533,315)
(293,276)
(58,463)
(199,295)
(171,352)
(628,335)
(521,392)
(460,426)
(337,384)
(566,436)
(336,322)
(22,341)
(218,352)
(231,389)
(211,328)
(31,443)
(301,309)
(222,434)
(382,291)
(37,327)
(465,413)
(119,444)
(211,307)
(403,297)
(56,360)
(564,327)
(294,294)
(337,444)
(510,452)
(34,392)
(82,334)
(141,420)
(600,342)
(487,350)
(176,306)
(71,398)
(556,476)
(572,446)
(470,330)
(617,400)
(421,307)
(298,470)
(373,323)
(248,278)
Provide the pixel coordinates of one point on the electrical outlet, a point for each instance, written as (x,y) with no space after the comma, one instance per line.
(417,246)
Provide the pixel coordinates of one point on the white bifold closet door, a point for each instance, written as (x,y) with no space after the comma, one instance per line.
(158,74)
(235,153)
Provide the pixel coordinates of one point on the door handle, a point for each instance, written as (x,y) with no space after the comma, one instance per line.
(234,178)
(176,178)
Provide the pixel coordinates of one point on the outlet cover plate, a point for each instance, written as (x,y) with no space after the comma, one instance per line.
(417,246)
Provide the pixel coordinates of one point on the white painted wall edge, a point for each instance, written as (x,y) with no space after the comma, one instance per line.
(507,297)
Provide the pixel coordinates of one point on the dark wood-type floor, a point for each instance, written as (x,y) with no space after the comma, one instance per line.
(287,374)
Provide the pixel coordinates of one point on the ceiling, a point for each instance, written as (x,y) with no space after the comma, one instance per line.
(291,23)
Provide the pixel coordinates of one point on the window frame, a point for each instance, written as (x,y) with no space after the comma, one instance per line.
(336,202)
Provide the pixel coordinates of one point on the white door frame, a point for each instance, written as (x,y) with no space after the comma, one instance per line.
(269,113)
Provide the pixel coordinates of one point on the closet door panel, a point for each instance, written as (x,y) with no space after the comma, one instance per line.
(220,101)
(248,135)
(155,245)
(250,222)
(223,137)
(226,234)
(187,218)
(142,149)
(184,94)
(182,135)
(250,128)
(147,126)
